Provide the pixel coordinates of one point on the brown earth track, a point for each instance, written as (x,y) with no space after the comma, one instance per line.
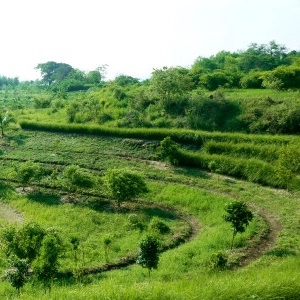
(265,242)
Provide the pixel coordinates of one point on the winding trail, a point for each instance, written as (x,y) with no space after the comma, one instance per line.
(265,242)
(257,246)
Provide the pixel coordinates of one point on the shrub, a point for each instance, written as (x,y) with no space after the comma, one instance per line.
(136,222)
(124,184)
(78,177)
(27,171)
(24,242)
(219,261)
(157,225)
(168,150)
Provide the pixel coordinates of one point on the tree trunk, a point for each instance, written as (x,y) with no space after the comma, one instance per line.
(233,235)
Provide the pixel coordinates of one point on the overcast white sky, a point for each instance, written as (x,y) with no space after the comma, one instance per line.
(134,36)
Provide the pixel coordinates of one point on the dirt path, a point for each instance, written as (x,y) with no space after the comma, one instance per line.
(8,214)
(265,242)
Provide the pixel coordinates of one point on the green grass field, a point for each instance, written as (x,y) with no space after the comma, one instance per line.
(183,197)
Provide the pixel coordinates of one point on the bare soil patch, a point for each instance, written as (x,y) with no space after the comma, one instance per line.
(7,213)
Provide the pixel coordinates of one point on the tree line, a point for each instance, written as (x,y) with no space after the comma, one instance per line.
(181,97)
(259,66)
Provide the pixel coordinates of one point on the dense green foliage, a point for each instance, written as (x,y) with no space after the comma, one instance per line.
(124,184)
(46,265)
(17,273)
(254,91)
(24,242)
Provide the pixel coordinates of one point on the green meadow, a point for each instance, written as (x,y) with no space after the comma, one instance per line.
(263,264)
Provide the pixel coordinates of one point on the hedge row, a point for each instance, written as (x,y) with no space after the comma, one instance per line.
(268,153)
(178,135)
(253,170)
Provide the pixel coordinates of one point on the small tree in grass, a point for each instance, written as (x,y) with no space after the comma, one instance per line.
(124,184)
(18,273)
(38,247)
(238,214)
(168,150)
(149,253)
(46,265)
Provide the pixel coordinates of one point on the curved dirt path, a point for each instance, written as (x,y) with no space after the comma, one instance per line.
(257,247)
(265,242)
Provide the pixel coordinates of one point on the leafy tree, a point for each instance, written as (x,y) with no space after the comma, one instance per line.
(170,86)
(251,80)
(23,242)
(148,256)
(52,71)
(17,273)
(125,80)
(238,214)
(282,77)
(217,79)
(46,265)
(7,81)
(124,184)
(93,77)
(263,57)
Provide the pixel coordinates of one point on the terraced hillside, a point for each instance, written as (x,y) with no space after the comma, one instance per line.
(263,264)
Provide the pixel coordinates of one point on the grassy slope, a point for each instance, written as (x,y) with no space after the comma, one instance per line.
(183,272)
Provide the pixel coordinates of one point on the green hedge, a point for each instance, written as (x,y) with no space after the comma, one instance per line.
(268,153)
(253,170)
(178,135)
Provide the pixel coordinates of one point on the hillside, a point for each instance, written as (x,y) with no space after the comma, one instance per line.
(184,272)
